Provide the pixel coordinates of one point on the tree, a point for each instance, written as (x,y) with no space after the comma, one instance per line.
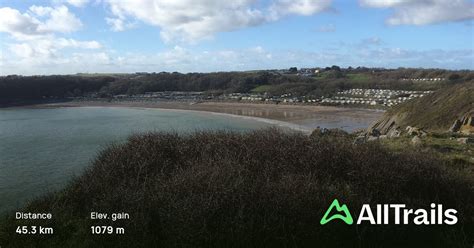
(454,76)
(334,74)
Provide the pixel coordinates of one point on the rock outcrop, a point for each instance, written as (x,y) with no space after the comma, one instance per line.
(434,113)
(464,125)
(415,131)
(387,125)
(467,124)
(456,126)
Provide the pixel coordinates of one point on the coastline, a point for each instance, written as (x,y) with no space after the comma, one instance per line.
(303,118)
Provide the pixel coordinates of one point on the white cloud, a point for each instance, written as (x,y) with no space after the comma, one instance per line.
(299,7)
(95,59)
(422,12)
(184,59)
(22,50)
(40,10)
(382,3)
(38,21)
(39,44)
(78,3)
(64,43)
(191,20)
(188,19)
(41,60)
(48,47)
(59,19)
(394,57)
(18,24)
(75,3)
(33,35)
(118,24)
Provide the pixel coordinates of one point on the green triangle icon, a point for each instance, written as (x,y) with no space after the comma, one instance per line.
(347,217)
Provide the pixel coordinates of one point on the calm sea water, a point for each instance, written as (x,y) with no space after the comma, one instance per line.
(42,149)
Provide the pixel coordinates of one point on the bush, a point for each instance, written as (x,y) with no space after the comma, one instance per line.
(264,188)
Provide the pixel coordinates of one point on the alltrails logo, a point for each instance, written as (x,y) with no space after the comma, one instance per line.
(401,214)
(347,217)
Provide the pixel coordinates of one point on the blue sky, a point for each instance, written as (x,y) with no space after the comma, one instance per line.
(71,36)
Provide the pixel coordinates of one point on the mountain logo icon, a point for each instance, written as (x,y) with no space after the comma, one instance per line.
(345,216)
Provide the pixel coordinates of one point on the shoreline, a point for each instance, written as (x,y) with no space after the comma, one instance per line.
(304,118)
(258,119)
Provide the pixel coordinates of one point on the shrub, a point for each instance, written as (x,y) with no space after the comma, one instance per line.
(264,188)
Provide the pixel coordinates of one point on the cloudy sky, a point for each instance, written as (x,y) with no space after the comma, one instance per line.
(71,36)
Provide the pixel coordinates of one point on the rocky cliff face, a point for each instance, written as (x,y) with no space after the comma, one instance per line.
(435,112)
(464,125)
(392,125)
(388,125)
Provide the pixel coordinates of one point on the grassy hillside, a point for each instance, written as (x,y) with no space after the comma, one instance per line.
(436,111)
(18,89)
(261,189)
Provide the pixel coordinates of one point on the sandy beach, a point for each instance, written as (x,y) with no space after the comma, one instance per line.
(306,116)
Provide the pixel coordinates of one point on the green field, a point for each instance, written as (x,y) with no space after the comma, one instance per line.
(444,146)
(358,77)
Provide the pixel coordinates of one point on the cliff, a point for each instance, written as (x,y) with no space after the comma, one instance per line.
(435,112)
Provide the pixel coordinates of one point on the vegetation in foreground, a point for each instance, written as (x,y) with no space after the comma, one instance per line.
(444,145)
(264,188)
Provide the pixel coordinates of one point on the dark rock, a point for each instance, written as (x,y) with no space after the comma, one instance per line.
(375,132)
(456,126)
(464,125)
(387,123)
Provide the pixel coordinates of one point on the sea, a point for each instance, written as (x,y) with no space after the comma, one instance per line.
(42,149)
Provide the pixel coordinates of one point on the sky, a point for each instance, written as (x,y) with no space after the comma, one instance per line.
(126,36)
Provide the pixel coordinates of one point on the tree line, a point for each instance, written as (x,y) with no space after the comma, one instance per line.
(326,82)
